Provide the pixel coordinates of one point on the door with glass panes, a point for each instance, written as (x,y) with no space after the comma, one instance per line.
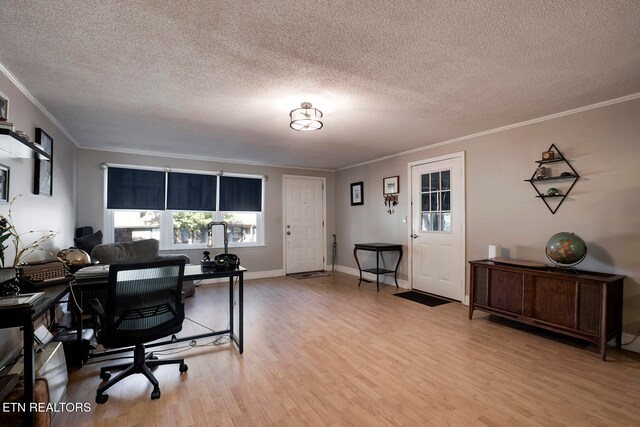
(437,222)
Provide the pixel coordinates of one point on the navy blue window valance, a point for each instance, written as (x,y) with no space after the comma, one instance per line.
(135,189)
(240,194)
(192,192)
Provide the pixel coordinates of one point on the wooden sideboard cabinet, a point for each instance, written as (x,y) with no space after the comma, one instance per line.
(583,304)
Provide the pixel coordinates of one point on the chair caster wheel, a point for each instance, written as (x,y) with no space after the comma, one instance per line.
(102,398)
(183,367)
(105,376)
(155,394)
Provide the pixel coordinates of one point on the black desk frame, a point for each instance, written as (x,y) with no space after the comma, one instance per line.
(191,272)
(24,318)
(378,248)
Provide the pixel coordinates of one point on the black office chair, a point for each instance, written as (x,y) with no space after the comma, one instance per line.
(144,303)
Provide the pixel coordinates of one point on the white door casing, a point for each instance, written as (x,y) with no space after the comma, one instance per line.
(437,226)
(304,212)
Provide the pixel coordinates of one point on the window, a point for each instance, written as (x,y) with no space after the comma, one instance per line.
(135,225)
(175,207)
(436,201)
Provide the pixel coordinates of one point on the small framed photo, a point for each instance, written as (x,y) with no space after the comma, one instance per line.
(4,184)
(4,107)
(43,177)
(357,193)
(45,141)
(391,185)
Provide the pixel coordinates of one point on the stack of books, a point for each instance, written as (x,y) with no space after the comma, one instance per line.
(7,125)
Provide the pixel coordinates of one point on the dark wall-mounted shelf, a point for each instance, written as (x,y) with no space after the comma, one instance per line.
(15,145)
(536,182)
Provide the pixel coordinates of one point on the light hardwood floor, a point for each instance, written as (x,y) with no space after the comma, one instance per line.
(322,352)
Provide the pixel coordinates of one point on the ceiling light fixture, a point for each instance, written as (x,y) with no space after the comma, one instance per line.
(305,118)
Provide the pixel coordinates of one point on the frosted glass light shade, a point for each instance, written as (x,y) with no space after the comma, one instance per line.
(305,118)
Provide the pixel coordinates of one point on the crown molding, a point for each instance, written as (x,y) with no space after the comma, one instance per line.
(501,129)
(37,103)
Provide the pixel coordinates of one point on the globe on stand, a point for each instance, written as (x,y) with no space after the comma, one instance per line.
(566,249)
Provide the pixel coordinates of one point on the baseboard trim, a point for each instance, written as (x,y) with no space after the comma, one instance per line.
(634,346)
(386,279)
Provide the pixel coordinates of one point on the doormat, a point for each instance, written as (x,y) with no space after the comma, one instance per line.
(309,275)
(421,298)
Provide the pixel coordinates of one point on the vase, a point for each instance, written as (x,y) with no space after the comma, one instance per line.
(9,284)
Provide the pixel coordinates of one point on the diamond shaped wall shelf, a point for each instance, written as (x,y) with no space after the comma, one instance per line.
(548,172)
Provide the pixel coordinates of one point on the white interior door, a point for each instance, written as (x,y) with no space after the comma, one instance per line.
(437,222)
(304,224)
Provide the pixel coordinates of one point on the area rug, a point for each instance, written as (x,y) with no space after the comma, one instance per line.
(421,298)
(309,275)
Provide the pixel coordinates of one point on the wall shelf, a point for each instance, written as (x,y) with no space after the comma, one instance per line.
(540,184)
(16,146)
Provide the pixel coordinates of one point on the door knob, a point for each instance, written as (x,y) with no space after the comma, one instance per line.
(415,236)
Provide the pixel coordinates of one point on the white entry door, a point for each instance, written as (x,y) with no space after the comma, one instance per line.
(437,222)
(304,224)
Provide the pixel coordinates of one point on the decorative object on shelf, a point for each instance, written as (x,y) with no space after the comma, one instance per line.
(357,193)
(23,135)
(9,235)
(548,155)
(4,184)
(391,185)
(74,258)
(553,197)
(4,107)
(495,250)
(305,118)
(566,249)
(7,125)
(9,283)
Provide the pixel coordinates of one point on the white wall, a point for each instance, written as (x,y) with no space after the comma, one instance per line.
(268,258)
(602,144)
(31,212)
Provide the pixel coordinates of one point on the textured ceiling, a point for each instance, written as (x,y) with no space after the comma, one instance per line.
(216,79)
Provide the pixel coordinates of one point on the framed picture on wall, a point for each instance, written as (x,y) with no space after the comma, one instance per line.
(4,184)
(391,185)
(43,177)
(45,141)
(4,107)
(357,193)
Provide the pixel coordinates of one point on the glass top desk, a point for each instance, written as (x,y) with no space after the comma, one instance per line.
(191,272)
(24,317)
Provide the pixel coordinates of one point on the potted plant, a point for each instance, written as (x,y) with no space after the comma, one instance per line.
(9,284)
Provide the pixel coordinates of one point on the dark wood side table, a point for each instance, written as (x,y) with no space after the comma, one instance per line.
(378,248)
